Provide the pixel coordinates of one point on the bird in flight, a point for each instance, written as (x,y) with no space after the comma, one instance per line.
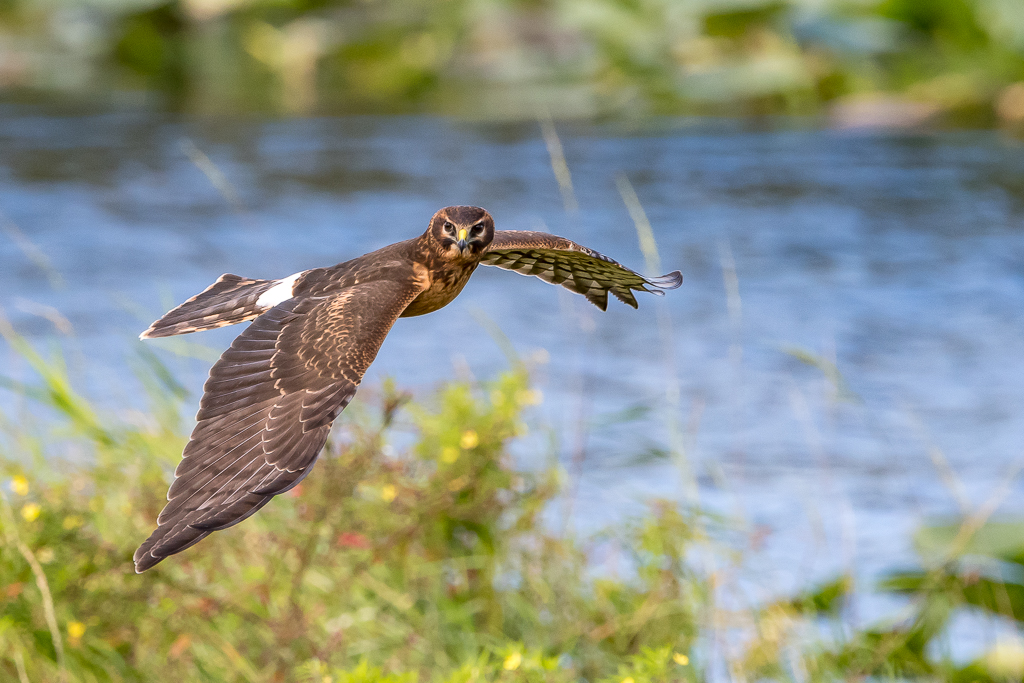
(271,399)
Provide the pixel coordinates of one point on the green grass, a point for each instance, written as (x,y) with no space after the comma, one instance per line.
(431,563)
(428,563)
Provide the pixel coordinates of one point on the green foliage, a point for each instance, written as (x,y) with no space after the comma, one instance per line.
(386,564)
(949,24)
(497,58)
(978,568)
(427,562)
(654,665)
(826,599)
(737,22)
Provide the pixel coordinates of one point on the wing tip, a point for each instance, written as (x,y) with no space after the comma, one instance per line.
(144,559)
(160,329)
(166,540)
(668,281)
(155,331)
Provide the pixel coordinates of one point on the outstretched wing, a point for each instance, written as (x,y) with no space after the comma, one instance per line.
(563,262)
(268,406)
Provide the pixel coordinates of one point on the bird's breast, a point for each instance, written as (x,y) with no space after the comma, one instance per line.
(445,285)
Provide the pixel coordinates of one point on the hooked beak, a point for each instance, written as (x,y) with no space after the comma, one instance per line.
(462,239)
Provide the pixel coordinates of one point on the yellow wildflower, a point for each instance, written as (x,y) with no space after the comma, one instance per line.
(72,522)
(449,454)
(680,659)
(628,679)
(513,661)
(76,630)
(20,485)
(30,512)
(388,493)
(469,439)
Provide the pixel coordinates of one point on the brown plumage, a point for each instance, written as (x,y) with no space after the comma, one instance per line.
(271,398)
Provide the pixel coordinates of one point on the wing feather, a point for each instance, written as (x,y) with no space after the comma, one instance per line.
(229,300)
(268,407)
(562,262)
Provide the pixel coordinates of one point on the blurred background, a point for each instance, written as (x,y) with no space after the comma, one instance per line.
(858,61)
(833,399)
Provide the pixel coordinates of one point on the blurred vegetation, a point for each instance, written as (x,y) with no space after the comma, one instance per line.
(865,62)
(430,562)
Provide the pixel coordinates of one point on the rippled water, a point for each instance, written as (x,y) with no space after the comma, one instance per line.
(898,257)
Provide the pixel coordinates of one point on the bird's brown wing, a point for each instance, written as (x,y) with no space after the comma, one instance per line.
(229,300)
(563,262)
(268,406)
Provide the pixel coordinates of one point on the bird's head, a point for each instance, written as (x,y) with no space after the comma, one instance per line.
(461,232)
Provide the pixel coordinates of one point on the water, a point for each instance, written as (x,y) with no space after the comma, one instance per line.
(900,258)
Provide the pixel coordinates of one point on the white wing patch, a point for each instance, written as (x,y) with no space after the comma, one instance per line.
(280,292)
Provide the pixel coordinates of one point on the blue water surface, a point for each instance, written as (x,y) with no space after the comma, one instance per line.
(896,259)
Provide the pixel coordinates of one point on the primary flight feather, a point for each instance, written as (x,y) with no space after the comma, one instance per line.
(271,399)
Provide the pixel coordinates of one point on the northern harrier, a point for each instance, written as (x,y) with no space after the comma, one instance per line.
(272,397)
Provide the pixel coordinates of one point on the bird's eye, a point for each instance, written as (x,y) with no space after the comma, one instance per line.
(477,229)
(449,228)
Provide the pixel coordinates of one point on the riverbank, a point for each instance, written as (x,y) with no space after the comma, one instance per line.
(430,562)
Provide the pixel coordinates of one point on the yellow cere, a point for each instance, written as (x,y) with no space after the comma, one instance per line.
(20,485)
(513,661)
(469,439)
(680,659)
(388,493)
(462,234)
(30,512)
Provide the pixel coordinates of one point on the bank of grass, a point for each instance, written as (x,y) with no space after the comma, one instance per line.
(431,562)
(399,564)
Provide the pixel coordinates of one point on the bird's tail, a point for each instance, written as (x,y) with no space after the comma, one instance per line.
(229,300)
